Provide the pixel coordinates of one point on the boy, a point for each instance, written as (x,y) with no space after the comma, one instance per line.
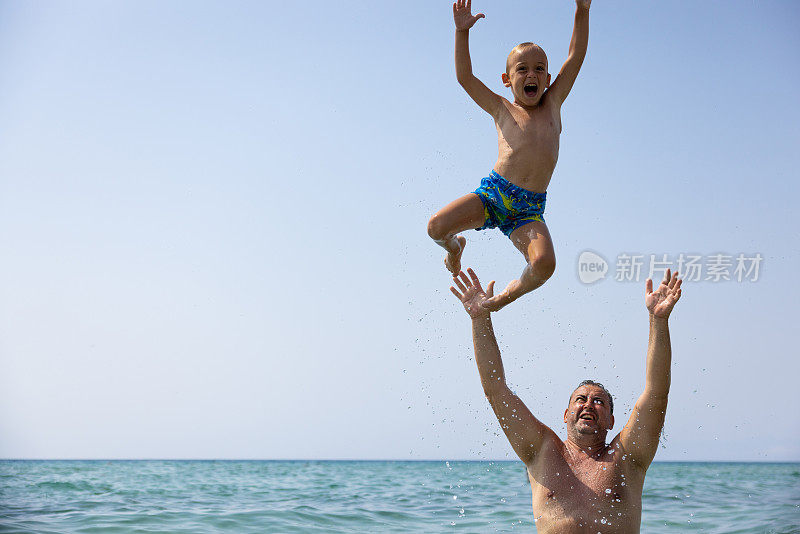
(512,198)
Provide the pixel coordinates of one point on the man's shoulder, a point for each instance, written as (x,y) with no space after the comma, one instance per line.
(553,447)
(623,457)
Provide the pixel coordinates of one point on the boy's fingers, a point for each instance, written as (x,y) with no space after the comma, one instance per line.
(455,292)
(465,279)
(490,289)
(648,286)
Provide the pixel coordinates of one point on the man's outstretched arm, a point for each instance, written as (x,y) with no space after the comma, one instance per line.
(525,433)
(640,436)
(563,83)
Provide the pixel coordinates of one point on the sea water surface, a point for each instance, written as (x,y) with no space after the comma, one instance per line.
(366,496)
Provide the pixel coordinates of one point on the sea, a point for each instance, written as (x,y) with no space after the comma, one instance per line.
(102,496)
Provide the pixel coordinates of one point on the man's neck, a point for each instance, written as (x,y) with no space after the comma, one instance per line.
(591,446)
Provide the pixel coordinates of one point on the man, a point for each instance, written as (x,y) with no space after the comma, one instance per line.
(581,484)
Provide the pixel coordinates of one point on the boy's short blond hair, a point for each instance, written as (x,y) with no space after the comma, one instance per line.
(519,48)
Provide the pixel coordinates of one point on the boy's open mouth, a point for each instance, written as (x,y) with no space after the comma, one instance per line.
(530,89)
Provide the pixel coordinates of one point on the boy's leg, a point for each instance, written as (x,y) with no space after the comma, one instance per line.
(533,240)
(465,213)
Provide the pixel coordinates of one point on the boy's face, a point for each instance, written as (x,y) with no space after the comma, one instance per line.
(527,75)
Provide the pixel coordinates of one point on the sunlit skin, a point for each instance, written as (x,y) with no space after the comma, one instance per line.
(582,484)
(528,129)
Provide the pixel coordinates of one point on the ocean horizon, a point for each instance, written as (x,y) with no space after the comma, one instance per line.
(310,495)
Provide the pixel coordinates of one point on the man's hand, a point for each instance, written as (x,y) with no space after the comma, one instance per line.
(472,295)
(462,15)
(586,4)
(661,301)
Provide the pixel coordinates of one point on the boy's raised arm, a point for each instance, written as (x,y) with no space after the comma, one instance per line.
(482,95)
(524,431)
(563,83)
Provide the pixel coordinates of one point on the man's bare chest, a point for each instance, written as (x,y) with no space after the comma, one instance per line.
(585,491)
(601,477)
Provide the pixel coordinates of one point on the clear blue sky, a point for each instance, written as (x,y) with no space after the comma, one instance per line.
(212,226)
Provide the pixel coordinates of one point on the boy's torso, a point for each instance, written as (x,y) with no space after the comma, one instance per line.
(528,143)
(589,495)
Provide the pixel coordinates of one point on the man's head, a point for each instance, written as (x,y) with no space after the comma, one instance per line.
(590,410)
(526,73)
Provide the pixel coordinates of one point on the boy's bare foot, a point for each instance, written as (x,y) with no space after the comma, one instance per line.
(453,259)
(512,292)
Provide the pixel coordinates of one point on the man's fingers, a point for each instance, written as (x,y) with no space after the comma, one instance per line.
(490,289)
(648,286)
(465,279)
(457,282)
(455,292)
(480,16)
(673,280)
(474,277)
(469,4)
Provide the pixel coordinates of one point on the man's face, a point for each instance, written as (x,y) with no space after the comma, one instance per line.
(589,411)
(527,75)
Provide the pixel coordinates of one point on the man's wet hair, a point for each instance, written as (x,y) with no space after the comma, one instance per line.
(599,385)
(519,48)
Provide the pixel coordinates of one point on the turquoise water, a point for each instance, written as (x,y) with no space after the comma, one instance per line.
(329,496)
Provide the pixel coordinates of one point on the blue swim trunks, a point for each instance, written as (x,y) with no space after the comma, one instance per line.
(508,206)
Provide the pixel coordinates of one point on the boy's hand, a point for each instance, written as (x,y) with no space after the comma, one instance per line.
(586,4)
(462,15)
(472,295)
(661,301)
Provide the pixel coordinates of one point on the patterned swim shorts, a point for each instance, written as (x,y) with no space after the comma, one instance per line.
(507,206)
